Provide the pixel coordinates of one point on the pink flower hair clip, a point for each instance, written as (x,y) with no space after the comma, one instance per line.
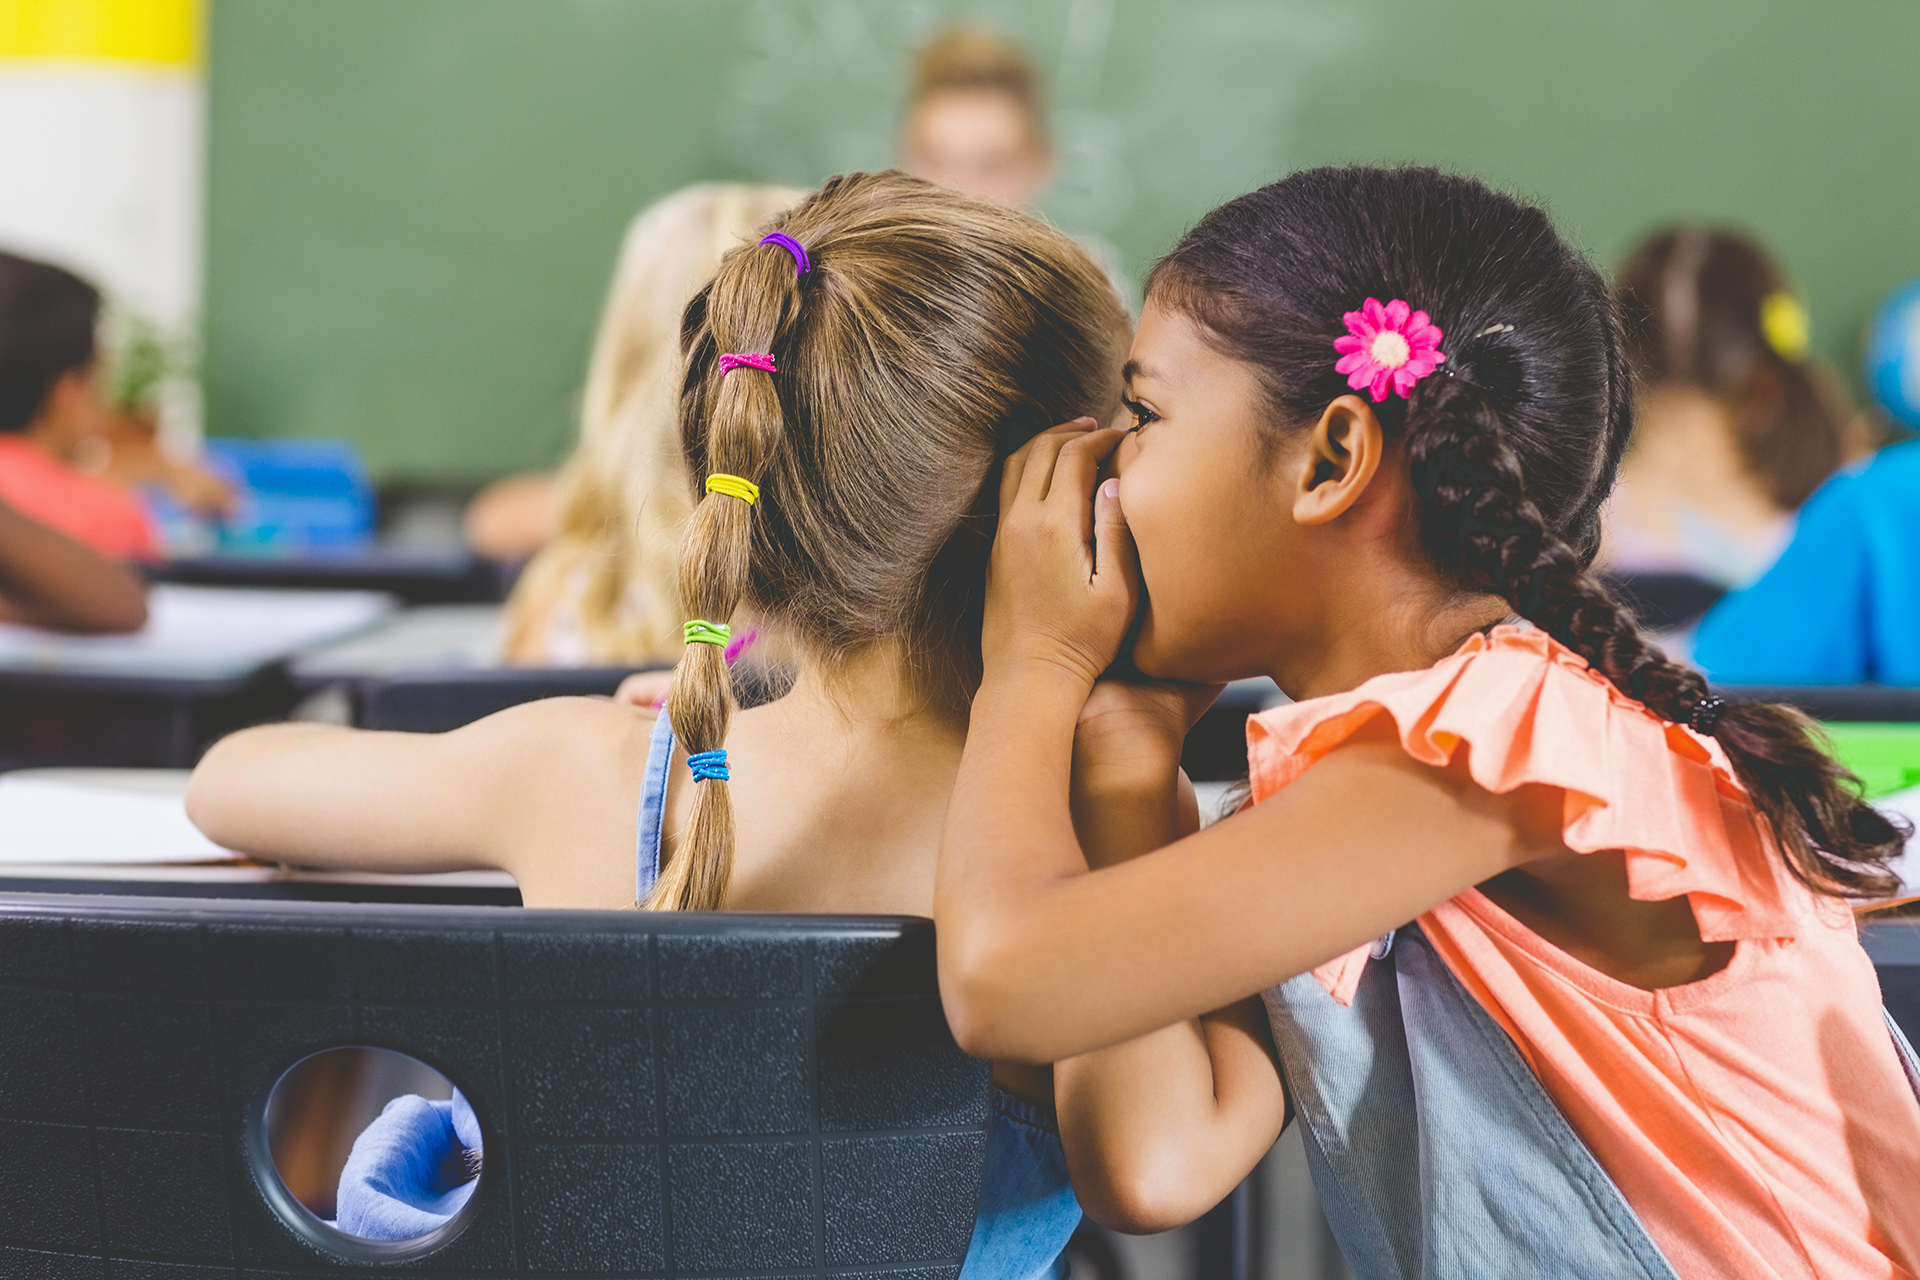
(1387,348)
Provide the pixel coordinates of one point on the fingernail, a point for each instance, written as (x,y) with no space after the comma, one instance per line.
(1083,418)
(1111,489)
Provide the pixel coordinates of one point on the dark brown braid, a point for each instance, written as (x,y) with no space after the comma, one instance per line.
(1512,448)
(1479,526)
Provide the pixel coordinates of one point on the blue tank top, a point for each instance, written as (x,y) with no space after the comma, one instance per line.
(1027,1208)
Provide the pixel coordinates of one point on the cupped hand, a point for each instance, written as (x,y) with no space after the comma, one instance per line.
(1063,581)
(1131,724)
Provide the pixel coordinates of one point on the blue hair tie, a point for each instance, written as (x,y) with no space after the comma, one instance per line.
(709,766)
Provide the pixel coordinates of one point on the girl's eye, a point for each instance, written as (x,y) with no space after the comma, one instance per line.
(1141,414)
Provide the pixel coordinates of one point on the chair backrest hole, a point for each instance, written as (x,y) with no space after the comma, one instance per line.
(377,1155)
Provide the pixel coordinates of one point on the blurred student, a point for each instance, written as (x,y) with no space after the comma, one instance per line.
(1842,604)
(603,590)
(1735,426)
(51,409)
(49,580)
(853,381)
(975,118)
(977,122)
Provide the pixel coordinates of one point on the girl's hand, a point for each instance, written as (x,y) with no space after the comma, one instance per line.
(1063,582)
(1133,728)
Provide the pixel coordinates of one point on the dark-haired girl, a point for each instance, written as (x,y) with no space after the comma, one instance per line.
(1555,948)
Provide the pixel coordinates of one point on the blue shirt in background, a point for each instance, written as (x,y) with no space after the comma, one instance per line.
(1842,604)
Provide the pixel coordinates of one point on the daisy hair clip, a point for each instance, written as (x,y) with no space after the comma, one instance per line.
(1387,349)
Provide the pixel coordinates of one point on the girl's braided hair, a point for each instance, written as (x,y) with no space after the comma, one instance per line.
(931,335)
(1511,448)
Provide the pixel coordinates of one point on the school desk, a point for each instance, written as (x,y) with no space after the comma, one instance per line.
(209,660)
(125,831)
(416,576)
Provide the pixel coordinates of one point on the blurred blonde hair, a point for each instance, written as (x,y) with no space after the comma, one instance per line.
(625,495)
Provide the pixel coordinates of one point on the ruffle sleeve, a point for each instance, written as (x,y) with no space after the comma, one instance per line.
(1532,712)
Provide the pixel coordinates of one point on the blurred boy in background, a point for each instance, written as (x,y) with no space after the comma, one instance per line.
(975,119)
(51,411)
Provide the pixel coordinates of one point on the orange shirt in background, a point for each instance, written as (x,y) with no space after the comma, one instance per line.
(87,509)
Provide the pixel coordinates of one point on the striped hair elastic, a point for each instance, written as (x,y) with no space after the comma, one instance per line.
(700,631)
(792,246)
(760,360)
(734,487)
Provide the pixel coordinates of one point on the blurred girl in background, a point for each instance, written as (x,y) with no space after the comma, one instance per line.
(603,591)
(1736,425)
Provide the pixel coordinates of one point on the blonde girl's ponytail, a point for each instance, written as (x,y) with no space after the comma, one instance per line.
(748,311)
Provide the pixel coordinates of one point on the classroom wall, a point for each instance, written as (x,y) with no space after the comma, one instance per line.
(413,208)
(102,139)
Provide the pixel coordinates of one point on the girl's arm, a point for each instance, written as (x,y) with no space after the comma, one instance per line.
(1041,960)
(49,580)
(524,790)
(1158,1130)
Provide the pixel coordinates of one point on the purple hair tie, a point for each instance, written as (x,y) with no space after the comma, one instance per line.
(746,360)
(792,246)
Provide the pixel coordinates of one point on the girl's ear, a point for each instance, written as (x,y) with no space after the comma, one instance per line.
(1341,457)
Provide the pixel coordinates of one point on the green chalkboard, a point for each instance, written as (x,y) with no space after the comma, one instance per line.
(414,204)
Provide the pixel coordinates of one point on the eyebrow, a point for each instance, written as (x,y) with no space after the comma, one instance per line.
(1134,369)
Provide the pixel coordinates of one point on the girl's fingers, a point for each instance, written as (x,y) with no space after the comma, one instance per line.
(1114,556)
(1078,464)
(1042,451)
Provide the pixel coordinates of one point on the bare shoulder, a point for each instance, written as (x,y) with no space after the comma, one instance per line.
(566,777)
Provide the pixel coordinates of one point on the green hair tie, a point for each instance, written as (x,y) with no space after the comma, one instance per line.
(701,632)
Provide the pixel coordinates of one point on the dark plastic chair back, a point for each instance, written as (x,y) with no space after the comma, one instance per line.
(1894,945)
(1835,702)
(661,1095)
(434,701)
(1665,601)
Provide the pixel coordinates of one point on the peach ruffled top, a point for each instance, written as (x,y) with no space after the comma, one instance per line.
(1759,1121)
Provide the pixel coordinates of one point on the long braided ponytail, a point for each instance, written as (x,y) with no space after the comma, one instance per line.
(848,395)
(1512,448)
(750,308)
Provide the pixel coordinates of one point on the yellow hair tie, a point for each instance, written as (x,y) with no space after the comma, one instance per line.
(701,632)
(1784,323)
(733,486)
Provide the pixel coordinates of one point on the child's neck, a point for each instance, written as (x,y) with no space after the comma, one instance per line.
(1393,621)
(841,789)
(872,691)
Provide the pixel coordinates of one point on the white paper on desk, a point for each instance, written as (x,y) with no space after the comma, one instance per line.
(44,820)
(200,633)
(1907,865)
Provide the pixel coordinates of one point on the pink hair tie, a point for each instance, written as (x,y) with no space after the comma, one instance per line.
(792,246)
(746,360)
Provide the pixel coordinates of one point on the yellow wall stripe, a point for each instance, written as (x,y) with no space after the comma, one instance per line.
(152,31)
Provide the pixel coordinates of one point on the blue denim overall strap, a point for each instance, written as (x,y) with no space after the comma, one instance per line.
(1908,1058)
(1435,1150)
(1027,1210)
(653,806)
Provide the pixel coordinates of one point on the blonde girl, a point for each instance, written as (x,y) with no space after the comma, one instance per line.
(852,383)
(603,591)
(1554,945)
